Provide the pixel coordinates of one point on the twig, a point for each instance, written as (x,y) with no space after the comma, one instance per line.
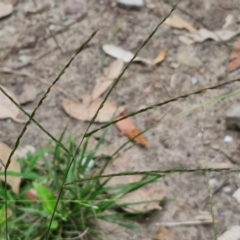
(187,223)
(26,74)
(67,25)
(225,154)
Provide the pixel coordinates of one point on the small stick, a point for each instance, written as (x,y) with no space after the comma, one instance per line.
(187,223)
(78,237)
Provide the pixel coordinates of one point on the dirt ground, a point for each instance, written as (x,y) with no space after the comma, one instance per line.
(178,140)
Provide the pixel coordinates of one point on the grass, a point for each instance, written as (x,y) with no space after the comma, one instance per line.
(81,204)
(72,195)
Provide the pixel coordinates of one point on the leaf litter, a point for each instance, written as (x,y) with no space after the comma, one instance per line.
(6,9)
(234,59)
(86,110)
(14,166)
(162,234)
(28,94)
(149,195)
(7,107)
(126,56)
(177,22)
(130,130)
(107,79)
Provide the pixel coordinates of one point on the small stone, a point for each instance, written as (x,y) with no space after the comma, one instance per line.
(24,59)
(213,182)
(131,3)
(194,80)
(228,139)
(186,56)
(227,189)
(233,118)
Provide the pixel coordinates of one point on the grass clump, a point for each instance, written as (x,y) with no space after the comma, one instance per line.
(81,205)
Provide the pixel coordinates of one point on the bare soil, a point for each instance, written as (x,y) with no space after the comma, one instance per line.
(181,140)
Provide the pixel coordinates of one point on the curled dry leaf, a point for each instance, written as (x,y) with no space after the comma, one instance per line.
(145,194)
(14,166)
(162,234)
(234,59)
(177,22)
(130,130)
(161,56)
(7,107)
(85,111)
(112,72)
(205,34)
(28,94)
(5,9)
(124,55)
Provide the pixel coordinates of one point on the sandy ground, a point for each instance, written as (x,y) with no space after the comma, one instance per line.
(178,140)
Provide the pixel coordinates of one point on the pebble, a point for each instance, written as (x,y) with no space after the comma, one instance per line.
(228,139)
(227,189)
(186,56)
(131,3)
(233,118)
(194,80)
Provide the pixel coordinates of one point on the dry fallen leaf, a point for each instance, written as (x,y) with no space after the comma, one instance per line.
(7,108)
(85,111)
(219,35)
(5,9)
(144,194)
(177,22)
(234,59)
(129,129)
(162,234)
(106,81)
(14,166)
(161,56)
(124,55)
(28,94)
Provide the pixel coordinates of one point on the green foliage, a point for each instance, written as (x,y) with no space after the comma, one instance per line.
(81,203)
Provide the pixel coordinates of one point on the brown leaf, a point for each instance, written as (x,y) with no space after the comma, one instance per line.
(5,9)
(162,234)
(124,55)
(7,107)
(144,194)
(177,22)
(234,59)
(106,81)
(28,94)
(85,111)
(129,129)
(14,166)
(161,56)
